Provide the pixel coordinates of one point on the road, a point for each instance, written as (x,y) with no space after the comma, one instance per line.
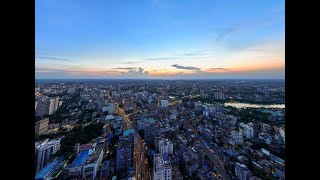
(140,159)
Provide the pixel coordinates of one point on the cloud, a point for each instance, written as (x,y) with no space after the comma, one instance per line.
(215,69)
(255,50)
(136,72)
(125,68)
(195,54)
(227,32)
(161,58)
(131,62)
(51,58)
(70,71)
(192,68)
(188,55)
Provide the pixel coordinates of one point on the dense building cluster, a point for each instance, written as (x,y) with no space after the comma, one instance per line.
(159,129)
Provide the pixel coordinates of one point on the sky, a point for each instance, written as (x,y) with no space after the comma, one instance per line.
(159,39)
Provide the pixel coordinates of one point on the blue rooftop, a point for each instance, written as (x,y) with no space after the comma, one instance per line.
(47,169)
(81,158)
(128,131)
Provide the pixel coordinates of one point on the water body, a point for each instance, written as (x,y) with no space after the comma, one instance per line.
(247,105)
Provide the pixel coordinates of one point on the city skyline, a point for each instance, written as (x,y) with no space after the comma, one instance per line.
(159,39)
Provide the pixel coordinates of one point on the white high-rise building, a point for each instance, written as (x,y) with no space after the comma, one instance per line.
(44,151)
(246,130)
(162,170)
(60,103)
(164,103)
(165,147)
(54,104)
(219,96)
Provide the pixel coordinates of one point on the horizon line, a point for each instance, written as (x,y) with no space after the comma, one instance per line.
(159,79)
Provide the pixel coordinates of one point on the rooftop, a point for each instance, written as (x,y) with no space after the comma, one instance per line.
(81,158)
(47,169)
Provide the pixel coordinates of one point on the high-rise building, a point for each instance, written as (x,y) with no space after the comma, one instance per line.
(162,170)
(42,126)
(246,130)
(237,137)
(54,104)
(282,133)
(219,96)
(164,103)
(202,93)
(42,107)
(44,151)
(242,172)
(165,147)
(60,103)
(266,92)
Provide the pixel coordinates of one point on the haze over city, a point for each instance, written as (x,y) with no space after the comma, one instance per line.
(159,39)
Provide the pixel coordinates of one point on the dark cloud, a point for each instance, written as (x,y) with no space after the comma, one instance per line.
(192,68)
(52,58)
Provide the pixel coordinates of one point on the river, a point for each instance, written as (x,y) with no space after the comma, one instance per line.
(247,105)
